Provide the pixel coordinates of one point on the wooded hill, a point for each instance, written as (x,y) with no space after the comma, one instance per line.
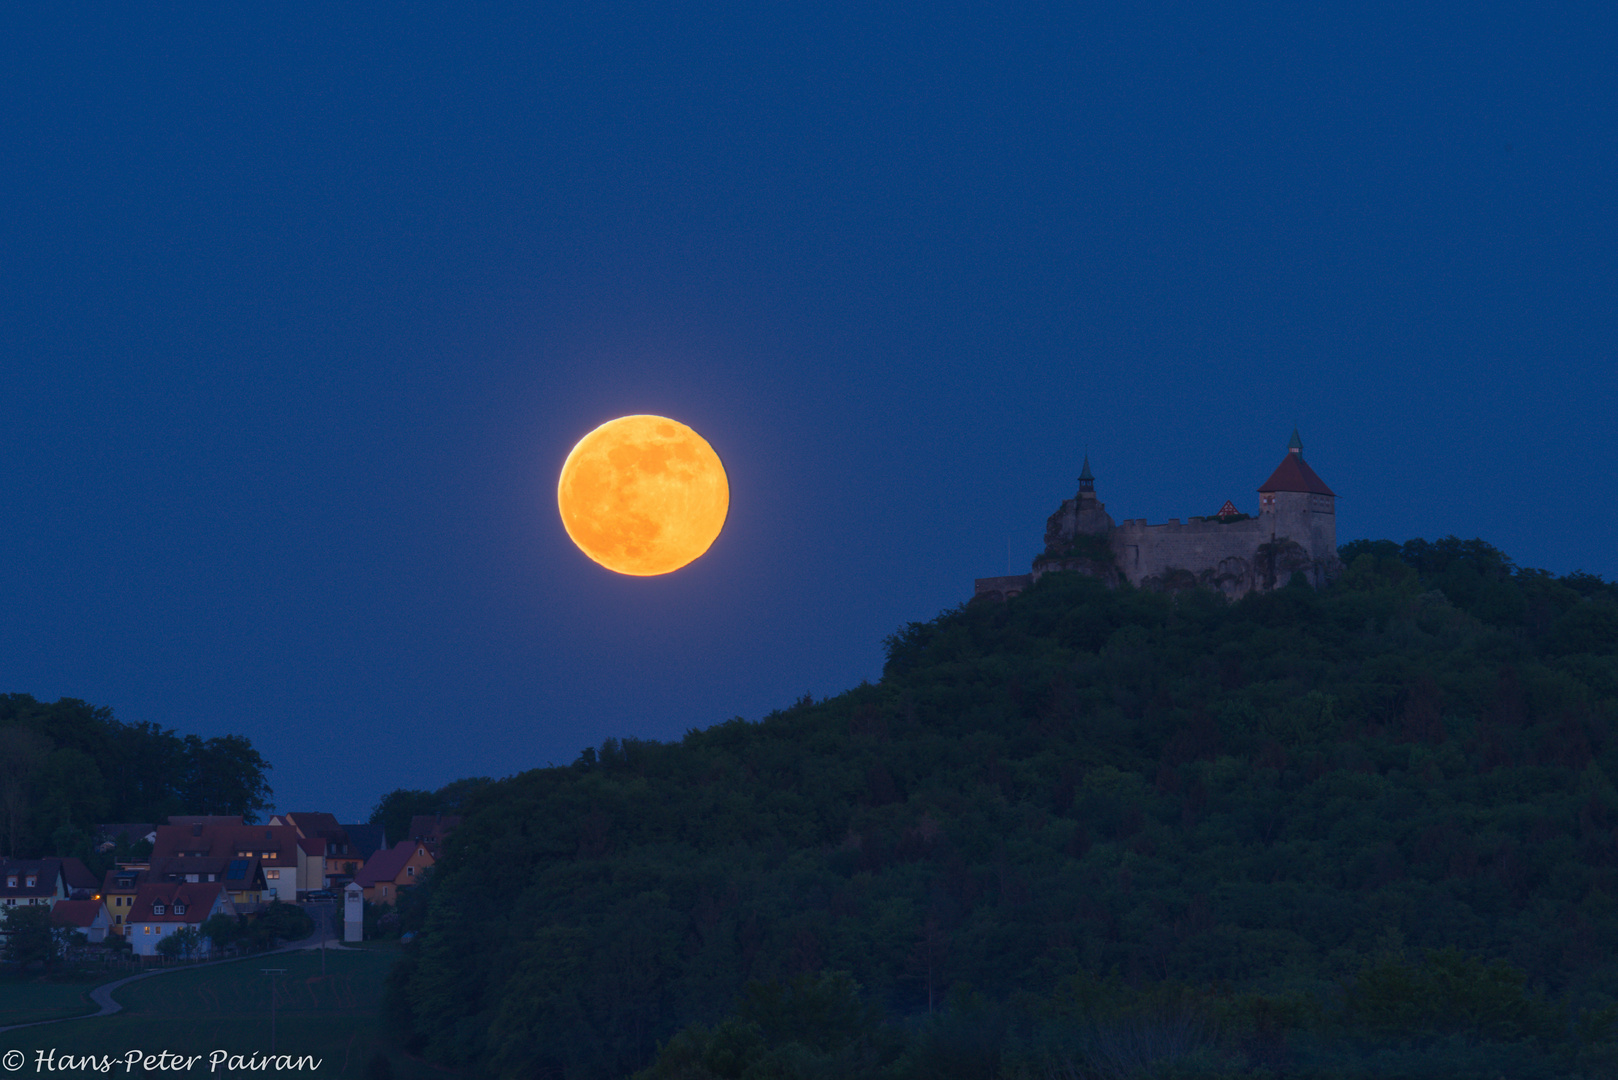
(67,765)
(1370,831)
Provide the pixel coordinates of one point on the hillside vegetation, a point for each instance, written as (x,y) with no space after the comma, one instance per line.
(67,766)
(1370,831)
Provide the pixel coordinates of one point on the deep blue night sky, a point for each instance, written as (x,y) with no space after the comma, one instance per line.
(301,310)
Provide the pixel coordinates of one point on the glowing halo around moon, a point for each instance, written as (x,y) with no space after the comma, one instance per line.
(643,495)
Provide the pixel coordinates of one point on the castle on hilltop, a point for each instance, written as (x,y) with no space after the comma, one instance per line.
(1295,532)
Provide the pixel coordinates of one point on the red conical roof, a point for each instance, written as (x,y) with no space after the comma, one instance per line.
(1294,474)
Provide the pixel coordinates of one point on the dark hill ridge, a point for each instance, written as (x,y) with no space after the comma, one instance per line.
(1276,806)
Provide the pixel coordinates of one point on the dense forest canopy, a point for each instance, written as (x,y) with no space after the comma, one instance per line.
(65,767)
(1332,820)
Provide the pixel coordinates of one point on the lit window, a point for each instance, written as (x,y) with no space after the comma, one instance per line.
(273,875)
(146,929)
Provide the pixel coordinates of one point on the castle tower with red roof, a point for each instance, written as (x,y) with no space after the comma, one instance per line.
(1297,505)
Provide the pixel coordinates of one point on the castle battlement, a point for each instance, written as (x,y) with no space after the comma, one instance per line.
(1295,532)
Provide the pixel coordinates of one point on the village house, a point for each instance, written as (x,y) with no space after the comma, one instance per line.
(118,893)
(226,850)
(164,907)
(386,872)
(431,829)
(89,917)
(346,847)
(30,882)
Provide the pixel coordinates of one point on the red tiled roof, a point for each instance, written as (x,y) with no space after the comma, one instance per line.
(312,845)
(79,913)
(189,841)
(313,823)
(1294,474)
(198,898)
(387,865)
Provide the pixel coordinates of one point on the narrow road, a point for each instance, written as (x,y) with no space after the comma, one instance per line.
(102,995)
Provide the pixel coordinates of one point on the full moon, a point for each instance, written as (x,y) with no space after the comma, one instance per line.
(643,495)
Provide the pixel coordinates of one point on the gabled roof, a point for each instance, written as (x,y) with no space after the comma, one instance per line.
(1294,474)
(109,884)
(46,873)
(314,823)
(198,897)
(77,875)
(241,874)
(80,913)
(388,865)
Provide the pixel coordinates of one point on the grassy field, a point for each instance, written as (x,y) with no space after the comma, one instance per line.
(335,1017)
(22,1001)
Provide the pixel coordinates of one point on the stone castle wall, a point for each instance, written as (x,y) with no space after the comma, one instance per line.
(1235,558)
(1221,556)
(1297,534)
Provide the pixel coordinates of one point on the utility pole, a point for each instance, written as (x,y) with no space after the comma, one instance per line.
(272,973)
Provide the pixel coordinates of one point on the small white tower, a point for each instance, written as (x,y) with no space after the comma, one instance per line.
(353,912)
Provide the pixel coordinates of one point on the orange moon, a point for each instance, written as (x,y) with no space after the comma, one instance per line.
(643,495)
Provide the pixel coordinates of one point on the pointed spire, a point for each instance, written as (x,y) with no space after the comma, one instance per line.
(1296,445)
(1087,482)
